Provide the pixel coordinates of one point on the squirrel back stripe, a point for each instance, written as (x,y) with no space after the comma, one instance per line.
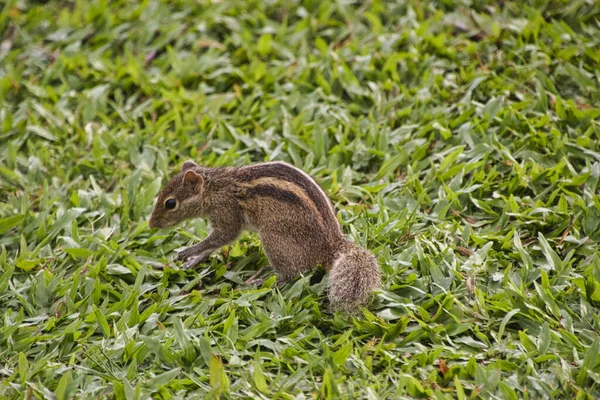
(286,172)
(274,192)
(282,190)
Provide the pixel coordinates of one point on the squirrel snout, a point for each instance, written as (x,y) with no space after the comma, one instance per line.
(152,223)
(157,223)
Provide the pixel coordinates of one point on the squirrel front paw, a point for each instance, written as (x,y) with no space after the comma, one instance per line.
(183,255)
(193,262)
(192,258)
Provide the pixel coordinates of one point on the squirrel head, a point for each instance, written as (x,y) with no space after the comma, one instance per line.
(180,199)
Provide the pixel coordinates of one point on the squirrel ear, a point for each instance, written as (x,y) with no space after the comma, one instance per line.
(192,176)
(187,165)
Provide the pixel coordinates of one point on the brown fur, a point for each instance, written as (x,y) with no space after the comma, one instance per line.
(292,215)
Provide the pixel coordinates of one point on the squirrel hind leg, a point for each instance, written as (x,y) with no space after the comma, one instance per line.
(353,277)
(288,255)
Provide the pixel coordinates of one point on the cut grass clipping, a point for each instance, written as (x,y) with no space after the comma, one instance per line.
(458,140)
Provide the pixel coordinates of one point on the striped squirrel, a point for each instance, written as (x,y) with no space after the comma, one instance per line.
(295,219)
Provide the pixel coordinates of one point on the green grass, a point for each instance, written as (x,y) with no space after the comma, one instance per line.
(460,143)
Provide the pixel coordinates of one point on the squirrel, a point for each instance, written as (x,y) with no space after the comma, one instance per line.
(293,216)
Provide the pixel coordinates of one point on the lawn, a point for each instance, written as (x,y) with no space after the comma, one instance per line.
(458,140)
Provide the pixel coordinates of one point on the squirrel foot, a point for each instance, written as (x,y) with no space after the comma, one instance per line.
(254,280)
(193,262)
(185,254)
(192,257)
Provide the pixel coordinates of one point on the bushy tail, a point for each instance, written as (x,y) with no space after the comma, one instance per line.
(352,277)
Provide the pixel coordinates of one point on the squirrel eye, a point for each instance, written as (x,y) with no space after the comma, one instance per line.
(170,204)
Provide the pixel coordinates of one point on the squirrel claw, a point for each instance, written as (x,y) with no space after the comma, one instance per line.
(181,256)
(193,258)
(193,262)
